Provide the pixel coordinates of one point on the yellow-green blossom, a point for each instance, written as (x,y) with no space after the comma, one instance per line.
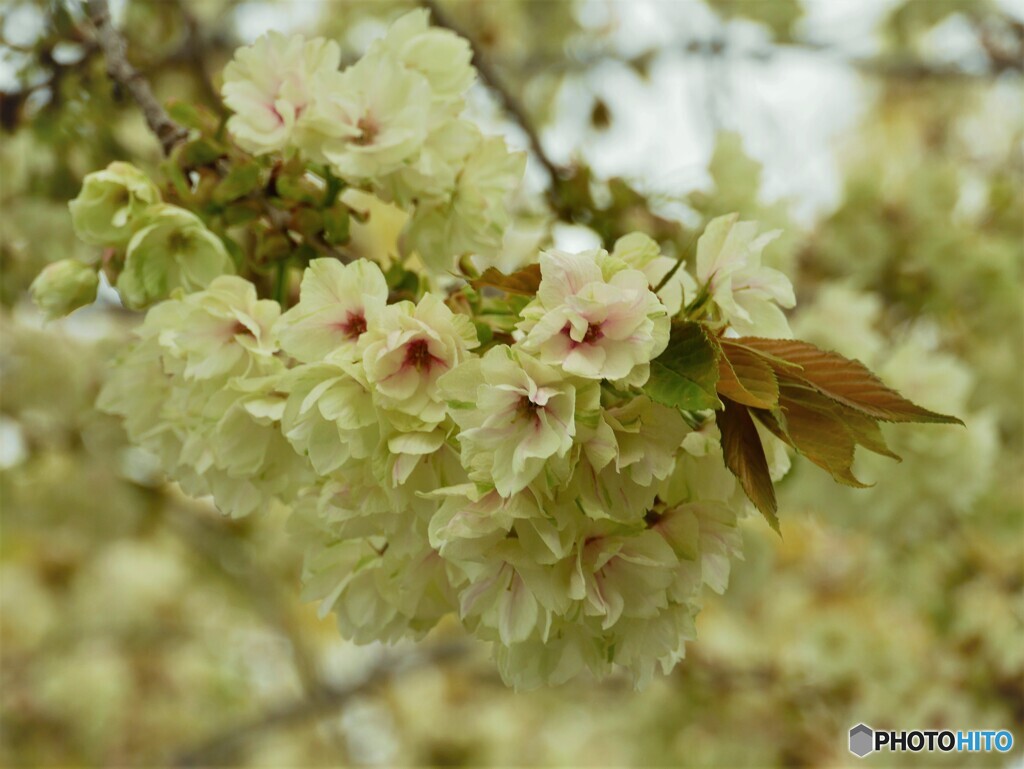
(112,204)
(62,287)
(173,250)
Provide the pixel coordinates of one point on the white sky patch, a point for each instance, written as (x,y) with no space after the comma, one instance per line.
(955,41)
(255,19)
(1016,9)
(790,110)
(23,24)
(849,26)
(13,450)
(789,107)
(574,238)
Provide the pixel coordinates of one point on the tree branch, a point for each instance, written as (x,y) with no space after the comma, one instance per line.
(124,74)
(160,123)
(509,102)
(329,699)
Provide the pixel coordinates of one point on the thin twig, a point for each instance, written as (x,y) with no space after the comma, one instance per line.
(680,261)
(330,699)
(508,100)
(124,74)
(211,540)
(160,123)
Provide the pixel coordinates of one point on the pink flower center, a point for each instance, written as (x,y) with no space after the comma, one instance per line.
(240,328)
(417,354)
(354,325)
(593,334)
(368,128)
(529,410)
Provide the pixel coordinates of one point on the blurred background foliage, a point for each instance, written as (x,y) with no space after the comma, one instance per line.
(886,138)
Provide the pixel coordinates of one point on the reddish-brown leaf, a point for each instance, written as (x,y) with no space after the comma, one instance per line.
(845,381)
(746,377)
(774,360)
(744,456)
(822,438)
(863,429)
(524,282)
(866,432)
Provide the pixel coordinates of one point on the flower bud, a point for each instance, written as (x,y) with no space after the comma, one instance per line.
(109,206)
(63,287)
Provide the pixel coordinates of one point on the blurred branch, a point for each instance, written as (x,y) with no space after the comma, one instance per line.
(115,50)
(193,54)
(212,540)
(509,102)
(329,700)
(1003,47)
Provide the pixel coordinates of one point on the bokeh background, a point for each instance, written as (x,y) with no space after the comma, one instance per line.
(886,137)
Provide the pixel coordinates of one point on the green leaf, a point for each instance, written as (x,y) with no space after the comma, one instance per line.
(304,253)
(336,221)
(236,252)
(296,187)
(483,332)
(744,456)
(241,213)
(272,246)
(239,182)
(685,375)
(200,152)
(308,221)
(172,170)
(401,280)
(189,115)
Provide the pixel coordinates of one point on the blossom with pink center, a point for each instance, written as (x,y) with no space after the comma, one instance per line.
(515,414)
(269,87)
(405,350)
(623,576)
(335,304)
(382,116)
(592,324)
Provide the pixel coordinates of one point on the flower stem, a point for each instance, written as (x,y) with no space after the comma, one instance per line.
(281,284)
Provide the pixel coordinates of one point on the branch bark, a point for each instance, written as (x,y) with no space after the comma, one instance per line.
(124,74)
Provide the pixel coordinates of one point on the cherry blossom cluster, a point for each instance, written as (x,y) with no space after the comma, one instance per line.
(469,450)
(391,122)
(155,247)
(528,488)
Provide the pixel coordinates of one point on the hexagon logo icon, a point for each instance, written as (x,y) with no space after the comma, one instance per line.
(862,740)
